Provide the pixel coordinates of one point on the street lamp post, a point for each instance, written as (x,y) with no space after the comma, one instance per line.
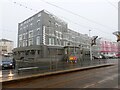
(90,46)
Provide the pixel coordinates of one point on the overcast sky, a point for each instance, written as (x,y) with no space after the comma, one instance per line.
(100,16)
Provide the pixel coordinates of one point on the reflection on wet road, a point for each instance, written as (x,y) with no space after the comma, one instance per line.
(8,74)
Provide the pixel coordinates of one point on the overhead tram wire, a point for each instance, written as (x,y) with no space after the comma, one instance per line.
(86,26)
(77,14)
(62,16)
(7,30)
(26,7)
(112,4)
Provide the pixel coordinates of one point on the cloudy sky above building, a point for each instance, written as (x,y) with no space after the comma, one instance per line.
(99,16)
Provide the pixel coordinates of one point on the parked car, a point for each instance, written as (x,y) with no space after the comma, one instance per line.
(108,56)
(7,65)
(118,55)
(7,62)
(97,57)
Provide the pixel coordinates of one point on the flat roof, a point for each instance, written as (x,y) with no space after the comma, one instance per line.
(6,40)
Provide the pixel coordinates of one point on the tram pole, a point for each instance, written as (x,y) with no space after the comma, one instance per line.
(90,46)
(117,34)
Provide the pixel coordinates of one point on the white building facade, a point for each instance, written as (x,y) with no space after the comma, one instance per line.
(6,46)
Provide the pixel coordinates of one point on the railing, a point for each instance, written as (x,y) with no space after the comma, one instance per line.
(51,65)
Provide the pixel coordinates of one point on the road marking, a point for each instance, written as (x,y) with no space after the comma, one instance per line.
(108,78)
(89,85)
(75,78)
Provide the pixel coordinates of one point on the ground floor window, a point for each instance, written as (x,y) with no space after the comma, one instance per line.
(51,41)
(38,40)
(30,41)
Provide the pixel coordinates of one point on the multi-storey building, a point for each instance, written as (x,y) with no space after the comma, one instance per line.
(105,47)
(42,28)
(38,33)
(43,31)
(47,29)
(75,38)
(109,47)
(44,35)
(6,46)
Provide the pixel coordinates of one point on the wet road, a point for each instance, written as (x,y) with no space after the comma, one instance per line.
(106,77)
(11,74)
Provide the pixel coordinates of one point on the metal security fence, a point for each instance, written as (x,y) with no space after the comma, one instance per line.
(24,67)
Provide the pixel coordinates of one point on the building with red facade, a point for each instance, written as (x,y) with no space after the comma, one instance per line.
(107,47)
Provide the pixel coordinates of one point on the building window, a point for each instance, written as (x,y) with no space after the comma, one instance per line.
(20,37)
(66,36)
(51,41)
(31,19)
(60,35)
(4,48)
(21,24)
(57,34)
(20,29)
(38,31)
(39,14)
(30,42)
(38,22)
(26,26)
(4,42)
(56,24)
(65,43)
(30,34)
(58,42)
(49,22)
(24,43)
(38,40)
(51,32)
(20,43)
(31,24)
(24,36)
